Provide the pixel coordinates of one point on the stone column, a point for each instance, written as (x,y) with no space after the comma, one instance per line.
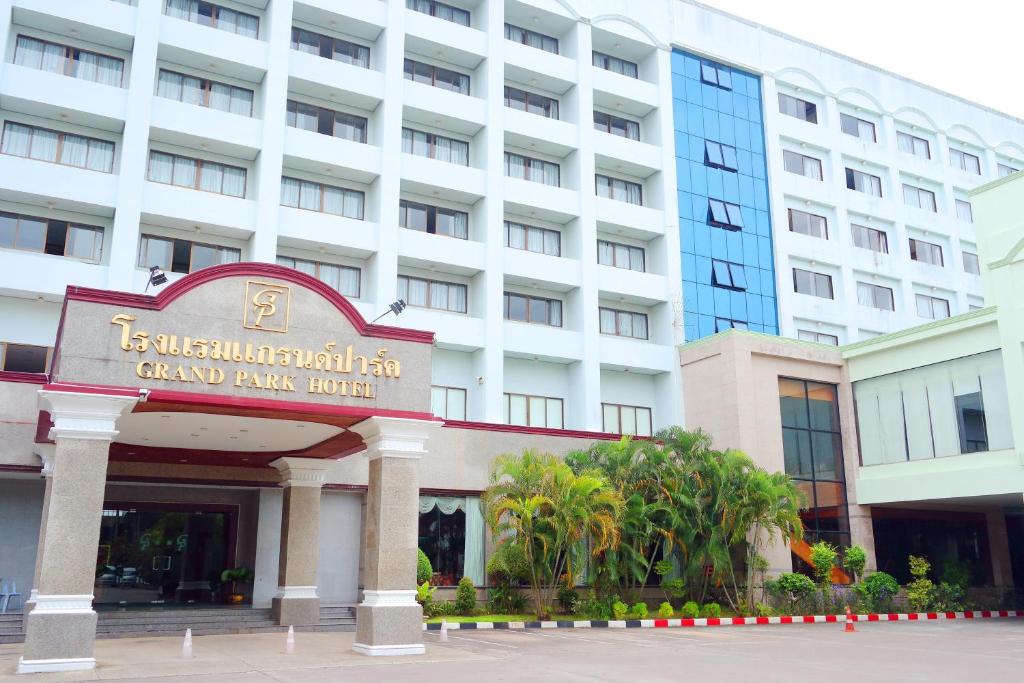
(389,620)
(45,453)
(999,548)
(61,627)
(297,603)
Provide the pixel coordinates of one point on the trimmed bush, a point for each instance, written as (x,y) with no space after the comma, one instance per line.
(823,558)
(619,610)
(640,610)
(878,590)
(793,584)
(920,591)
(854,560)
(690,610)
(423,569)
(712,610)
(665,610)
(465,597)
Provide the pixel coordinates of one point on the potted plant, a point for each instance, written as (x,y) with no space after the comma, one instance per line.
(238,575)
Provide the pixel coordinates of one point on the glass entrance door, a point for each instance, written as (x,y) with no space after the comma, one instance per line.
(155,555)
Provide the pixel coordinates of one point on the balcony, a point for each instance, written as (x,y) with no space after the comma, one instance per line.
(538,133)
(310,230)
(309,151)
(443,108)
(213,50)
(542,342)
(548,71)
(546,202)
(622,155)
(78,18)
(217,131)
(25,271)
(459,45)
(529,269)
(41,93)
(331,80)
(364,20)
(186,209)
(616,92)
(424,176)
(637,355)
(631,220)
(643,289)
(454,331)
(29,181)
(425,251)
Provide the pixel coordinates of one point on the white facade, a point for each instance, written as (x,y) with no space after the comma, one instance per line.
(479,350)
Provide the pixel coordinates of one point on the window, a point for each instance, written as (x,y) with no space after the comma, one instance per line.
(964,211)
(204,93)
(875,296)
(616,125)
(971,264)
(970,422)
(616,65)
(623,323)
(925,252)
(618,189)
(919,198)
(183,256)
(912,144)
(532,238)
(304,194)
(434,146)
(436,76)
(57,238)
(442,537)
(57,147)
(723,324)
(440,10)
(208,14)
(808,224)
(330,48)
(870,238)
(724,215)
(531,102)
(815,284)
(716,74)
(1004,170)
(69,61)
(444,296)
(198,174)
(817,337)
(801,109)
(964,161)
(620,419)
(531,38)
(858,128)
(433,219)
(931,307)
(344,279)
(720,156)
(534,170)
(448,403)
(23,357)
(728,275)
(326,121)
(620,255)
(863,182)
(812,448)
(533,411)
(801,164)
(533,309)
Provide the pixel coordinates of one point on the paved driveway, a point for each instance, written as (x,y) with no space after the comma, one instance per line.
(936,651)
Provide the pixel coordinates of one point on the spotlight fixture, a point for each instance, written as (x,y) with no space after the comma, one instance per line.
(396,308)
(156,277)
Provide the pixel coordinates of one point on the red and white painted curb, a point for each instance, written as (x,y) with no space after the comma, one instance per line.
(726,621)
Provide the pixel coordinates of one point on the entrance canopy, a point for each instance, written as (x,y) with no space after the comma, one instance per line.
(238,364)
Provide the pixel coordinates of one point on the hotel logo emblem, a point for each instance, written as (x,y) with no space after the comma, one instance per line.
(266,306)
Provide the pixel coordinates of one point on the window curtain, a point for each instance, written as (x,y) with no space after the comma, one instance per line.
(438,298)
(289,192)
(53,58)
(353,204)
(248,26)
(161,167)
(184,172)
(551,174)
(101,156)
(44,145)
(178,8)
(220,97)
(309,196)
(75,150)
(169,85)
(474,568)
(87,66)
(334,200)
(457,298)
(29,52)
(17,139)
(234,181)
(348,281)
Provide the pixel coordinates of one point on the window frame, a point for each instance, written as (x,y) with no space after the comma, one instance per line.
(607,61)
(528,164)
(169,267)
(550,104)
(207,89)
(624,186)
(729,214)
(815,282)
(323,193)
(317,265)
(611,120)
(434,6)
(630,248)
(98,239)
(912,141)
(845,119)
(791,213)
(916,245)
(214,16)
(507,408)
(48,357)
(199,165)
(961,212)
(965,161)
(803,334)
(730,269)
(531,300)
(527,33)
(333,44)
(292,120)
(875,289)
(447,393)
(432,145)
(810,109)
(409,75)
(883,238)
(618,332)
(931,302)
(707,68)
(976,268)
(918,193)
(526,238)
(618,407)
(806,163)
(71,55)
(58,152)
(713,151)
(430,283)
(404,206)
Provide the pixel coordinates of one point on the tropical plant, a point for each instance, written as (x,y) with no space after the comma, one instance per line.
(878,590)
(236,576)
(665,610)
(640,610)
(425,597)
(854,560)
(711,610)
(507,570)
(823,559)
(567,599)
(465,596)
(539,503)
(920,591)
(423,568)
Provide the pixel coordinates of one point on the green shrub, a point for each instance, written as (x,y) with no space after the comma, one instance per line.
(711,610)
(955,573)
(854,560)
(662,567)
(444,608)
(792,584)
(568,598)
(619,610)
(823,558)
(878,590)
(507,569)
(465,597)
(423,569)
(920,591)
(763,610)
(673,588)
(949,597)
(505,600)
(690,610)
(640,610)
(425,596)
(665,610)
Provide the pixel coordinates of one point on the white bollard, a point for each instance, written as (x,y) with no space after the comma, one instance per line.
(289,643)
(186,646)
(444,631)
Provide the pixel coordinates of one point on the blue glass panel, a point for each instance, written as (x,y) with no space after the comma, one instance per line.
(739,107)
(682,175)
(748,215)
(692,67)
(739,82)
(757,165)
(700,207)
(763,224)
(734,246)
(749,249)
(754,110)
(696,148)
(753,86)
(741,134)
(686,237)
(702,238)
(679,84)
(753,280)
(756,138)
(693,92)
(689,296)
(683,199)
(738,305)
(698,178)
(746,189)
(754,308)
(761,196)
(718,247)
(764,251)
(706,325)
(731,187)
(706,299)
(710,123)
(724,101)
(715,182)
(679,115)
(703,269)
(768,282)
(709,96)
(768,311)
(722,308)
(689,266)
(727,129)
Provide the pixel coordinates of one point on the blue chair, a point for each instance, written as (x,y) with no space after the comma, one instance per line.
(7,594)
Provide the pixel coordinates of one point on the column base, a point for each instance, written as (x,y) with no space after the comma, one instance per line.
(59,635)
(40,666)
(389,623)
(296,606)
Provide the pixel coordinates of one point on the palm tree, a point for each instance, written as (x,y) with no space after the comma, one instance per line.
(550,511)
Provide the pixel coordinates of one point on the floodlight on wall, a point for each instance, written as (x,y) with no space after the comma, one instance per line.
(396,308)
(157,277)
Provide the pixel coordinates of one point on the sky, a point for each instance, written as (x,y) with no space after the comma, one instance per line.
(971,48)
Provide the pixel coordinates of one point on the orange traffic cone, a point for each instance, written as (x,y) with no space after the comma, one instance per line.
(849,621)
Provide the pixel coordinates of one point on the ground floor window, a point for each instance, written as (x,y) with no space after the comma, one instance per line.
(451,534)
(956,543)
